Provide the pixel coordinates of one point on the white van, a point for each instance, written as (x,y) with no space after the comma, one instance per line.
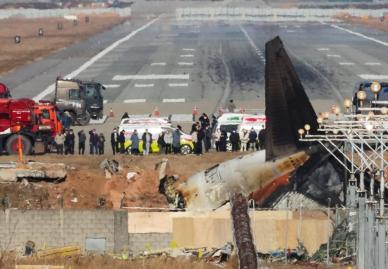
(231,121)
(257,122)
(149,121)
(186,145)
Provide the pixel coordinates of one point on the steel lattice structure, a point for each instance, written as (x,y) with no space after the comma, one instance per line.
(359,142)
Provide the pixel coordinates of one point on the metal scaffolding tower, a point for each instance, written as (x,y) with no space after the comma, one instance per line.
(358,141)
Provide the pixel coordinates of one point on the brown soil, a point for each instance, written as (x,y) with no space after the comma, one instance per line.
(87,182)
(372,22)
(32,46)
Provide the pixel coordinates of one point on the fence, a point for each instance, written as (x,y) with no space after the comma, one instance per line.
(38,13)
(270,14)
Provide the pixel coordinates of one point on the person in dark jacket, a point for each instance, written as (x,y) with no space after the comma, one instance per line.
(161,143)
(69,142)
(252,139)
(204,120)
(176,140)
(134,143)
(147,142)
(200,138)
(101,144)
(194,127)
(81,142)
(214,122)
(234,139)
(262,138)
(66,120)
(208,138)
(121,141)
(222,143)
(93,142)
(114,136)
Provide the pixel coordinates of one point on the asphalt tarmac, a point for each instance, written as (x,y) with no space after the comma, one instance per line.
(176,65)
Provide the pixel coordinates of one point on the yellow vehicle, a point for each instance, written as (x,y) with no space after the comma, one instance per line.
(186,144)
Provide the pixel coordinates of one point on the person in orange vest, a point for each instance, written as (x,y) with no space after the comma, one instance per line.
(195,112)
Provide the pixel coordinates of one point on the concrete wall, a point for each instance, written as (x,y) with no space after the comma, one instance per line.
(56,228)
(156,230)
(139,242)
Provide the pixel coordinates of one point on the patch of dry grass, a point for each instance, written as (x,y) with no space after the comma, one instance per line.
(32,46)
(107,262)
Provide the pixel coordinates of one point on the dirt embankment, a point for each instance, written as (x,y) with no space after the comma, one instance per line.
(86,182)
(32,46)
(372,22)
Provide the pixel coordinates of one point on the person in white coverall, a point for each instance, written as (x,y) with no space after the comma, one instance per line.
(244,138)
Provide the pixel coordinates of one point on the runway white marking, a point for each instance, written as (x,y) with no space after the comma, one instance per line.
(133,101)
(152,76)
(178,84)
(373,64)
(360,35)
(94,59)
(253,45)
(346,63)
(373,77)
(323,49)
(178,100)
(188,49)
(187,55)
(333,56)
(291,31)
(158,64)
(185,63)
(144,85)
(112,86)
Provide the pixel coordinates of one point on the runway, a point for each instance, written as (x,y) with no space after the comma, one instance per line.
(176,65)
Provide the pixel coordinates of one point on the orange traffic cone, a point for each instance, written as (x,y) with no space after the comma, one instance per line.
(156,112)
(111,113)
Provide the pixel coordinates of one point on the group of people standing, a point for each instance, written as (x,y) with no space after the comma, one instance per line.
(65,142)
(201,133)
(170,141)
(204,133)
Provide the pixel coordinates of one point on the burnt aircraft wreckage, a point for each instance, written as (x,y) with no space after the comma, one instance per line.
(301,168)
(286,166)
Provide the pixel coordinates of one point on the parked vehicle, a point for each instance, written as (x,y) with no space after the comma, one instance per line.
(257,122)
(186,144)
(4,91)
(94,99)
(34,124)
(230,122)
(82,99)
